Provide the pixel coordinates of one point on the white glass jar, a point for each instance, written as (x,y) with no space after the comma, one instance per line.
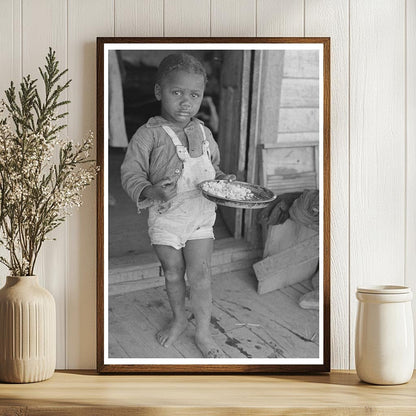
(384,337)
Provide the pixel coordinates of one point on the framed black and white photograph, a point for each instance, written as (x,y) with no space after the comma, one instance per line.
(213,249)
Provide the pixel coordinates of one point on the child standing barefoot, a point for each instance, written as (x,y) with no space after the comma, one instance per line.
(166,159)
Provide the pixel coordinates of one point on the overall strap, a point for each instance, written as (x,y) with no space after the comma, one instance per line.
(172,135)
(205,141)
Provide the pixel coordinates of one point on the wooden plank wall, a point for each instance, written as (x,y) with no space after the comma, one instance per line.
(299,105)
(331,18)
(377,146)
(410,171)
(373,154)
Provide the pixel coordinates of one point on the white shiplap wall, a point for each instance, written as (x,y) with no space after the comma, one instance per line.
(373,132)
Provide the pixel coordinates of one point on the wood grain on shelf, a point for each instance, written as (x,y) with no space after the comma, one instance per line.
(85,392)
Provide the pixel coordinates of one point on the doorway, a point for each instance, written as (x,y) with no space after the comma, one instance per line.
(224,111)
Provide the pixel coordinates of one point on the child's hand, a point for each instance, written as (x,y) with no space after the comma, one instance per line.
(229,178)
(165,189)
(161,191)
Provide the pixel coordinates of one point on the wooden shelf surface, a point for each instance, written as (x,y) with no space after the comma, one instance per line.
(87,393)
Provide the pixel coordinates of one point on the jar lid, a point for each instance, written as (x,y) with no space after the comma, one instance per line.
(384,289)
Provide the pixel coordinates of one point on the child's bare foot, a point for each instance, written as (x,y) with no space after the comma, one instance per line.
(208,347)
(171,333)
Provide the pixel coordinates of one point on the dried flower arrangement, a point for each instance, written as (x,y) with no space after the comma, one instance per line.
(42,176)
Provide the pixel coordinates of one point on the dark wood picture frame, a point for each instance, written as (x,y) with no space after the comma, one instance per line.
(103,365)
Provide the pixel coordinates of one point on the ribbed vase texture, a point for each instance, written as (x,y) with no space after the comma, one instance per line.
(27,331)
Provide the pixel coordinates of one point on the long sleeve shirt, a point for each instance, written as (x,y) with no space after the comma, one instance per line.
(151,155)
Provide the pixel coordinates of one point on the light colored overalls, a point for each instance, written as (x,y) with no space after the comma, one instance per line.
(187,216)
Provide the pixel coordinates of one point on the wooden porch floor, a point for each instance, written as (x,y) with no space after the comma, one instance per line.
(244,324)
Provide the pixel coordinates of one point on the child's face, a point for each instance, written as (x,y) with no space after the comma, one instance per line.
(181,94)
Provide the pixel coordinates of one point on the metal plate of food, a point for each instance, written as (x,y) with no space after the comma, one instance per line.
(237,194)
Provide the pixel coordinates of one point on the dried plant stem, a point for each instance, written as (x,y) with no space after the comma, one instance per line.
(36,194)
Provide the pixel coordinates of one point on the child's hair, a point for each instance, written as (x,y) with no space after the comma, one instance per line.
(181,61)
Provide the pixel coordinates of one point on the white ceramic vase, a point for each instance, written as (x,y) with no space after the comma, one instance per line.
(384,338)
(27,331)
